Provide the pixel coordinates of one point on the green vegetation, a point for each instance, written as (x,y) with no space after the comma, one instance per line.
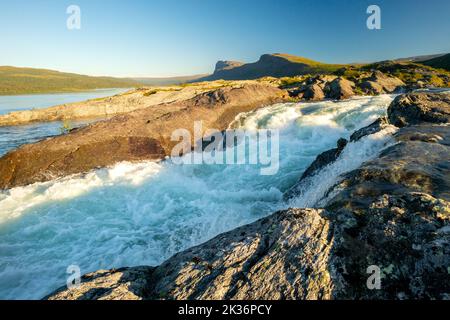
(314,67)
(28,80)
(66,127)
(287,82)
(154,91)
(442,62)
(410,73)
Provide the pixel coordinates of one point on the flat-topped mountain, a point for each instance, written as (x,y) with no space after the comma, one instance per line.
(273,65)
(14,80)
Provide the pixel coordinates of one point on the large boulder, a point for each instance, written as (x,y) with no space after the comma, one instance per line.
(395,215)
(313,92)
(379,83)
(420,107)
(339,89)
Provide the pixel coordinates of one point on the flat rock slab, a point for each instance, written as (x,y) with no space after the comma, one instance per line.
(139,135)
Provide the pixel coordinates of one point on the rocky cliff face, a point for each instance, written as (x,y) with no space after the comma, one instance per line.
(392,215)
(226,65)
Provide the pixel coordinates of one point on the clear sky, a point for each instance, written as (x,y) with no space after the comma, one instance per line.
(182,37)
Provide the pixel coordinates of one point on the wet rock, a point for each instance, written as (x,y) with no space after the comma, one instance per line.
(321,161)
(374,127)
(325,158)
(419,107)
(340,89)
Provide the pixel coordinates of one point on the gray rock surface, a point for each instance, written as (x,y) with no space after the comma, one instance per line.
(376,126)
(340,89)
(379,83)
(313,92)
(420,107)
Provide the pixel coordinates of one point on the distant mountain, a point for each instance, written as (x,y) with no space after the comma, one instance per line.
(274,65)
(169,80)
(419,58)
(441,62)
(15,80)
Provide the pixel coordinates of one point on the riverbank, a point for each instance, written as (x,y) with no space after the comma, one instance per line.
(120,103)
(144,134)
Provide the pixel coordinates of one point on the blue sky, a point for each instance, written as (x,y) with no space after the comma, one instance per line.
(181,37)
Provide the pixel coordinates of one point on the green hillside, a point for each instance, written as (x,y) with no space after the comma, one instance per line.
(442,62)
(15,80)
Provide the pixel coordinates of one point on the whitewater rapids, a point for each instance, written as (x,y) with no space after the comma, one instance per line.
(142,213)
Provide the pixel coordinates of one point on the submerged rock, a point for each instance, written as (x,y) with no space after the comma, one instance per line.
(372,128)
(322,160)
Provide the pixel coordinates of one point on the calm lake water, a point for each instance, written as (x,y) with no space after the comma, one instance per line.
(15,136)
(39,101)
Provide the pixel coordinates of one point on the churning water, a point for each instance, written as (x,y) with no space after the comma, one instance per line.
(142,213)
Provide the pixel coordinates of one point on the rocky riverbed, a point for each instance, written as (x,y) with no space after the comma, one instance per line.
(392,213)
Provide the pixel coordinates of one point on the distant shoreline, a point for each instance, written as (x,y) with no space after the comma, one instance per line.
(64,92)
(33,102)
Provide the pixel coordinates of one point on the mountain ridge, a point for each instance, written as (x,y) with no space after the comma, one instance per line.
(269,65)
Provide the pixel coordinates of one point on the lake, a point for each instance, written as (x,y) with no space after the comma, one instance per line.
(15,136)
(40,101)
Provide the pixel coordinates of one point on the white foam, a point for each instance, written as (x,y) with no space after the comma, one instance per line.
(312,191)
